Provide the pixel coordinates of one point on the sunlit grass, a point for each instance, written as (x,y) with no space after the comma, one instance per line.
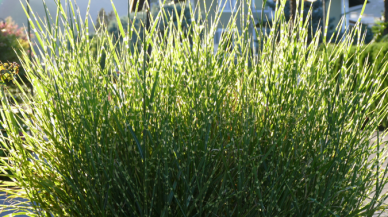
(187,132)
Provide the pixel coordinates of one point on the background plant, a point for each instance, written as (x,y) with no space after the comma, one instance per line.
(104,19)
(316,16)
(12,40)
(316,20)
(137,20)
(373,55)
(186,131)
(8,72)
(378,32)
(367,33)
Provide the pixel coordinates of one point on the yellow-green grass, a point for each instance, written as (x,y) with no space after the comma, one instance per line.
(186,132)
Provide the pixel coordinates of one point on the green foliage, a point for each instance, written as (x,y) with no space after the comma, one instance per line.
(378,32)
(138,22)
(367,32)
(316,18)
(104,19)
(171,14)
(11,38)
(8,72)
(12,41)
(189,132)
(373,56)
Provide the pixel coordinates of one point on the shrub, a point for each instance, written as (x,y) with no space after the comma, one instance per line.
(12,39)
(104,19)
(187,132)
(8,72)
(378,31)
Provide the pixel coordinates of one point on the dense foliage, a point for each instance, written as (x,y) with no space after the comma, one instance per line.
(12,39)
(316,17)
(137,21)
(184,131)
(104,19)
(378,32)
(372,56)
(8,72)
(367,32)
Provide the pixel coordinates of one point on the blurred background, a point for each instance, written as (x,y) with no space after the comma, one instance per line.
(373,15)
(13,8)
(14,25)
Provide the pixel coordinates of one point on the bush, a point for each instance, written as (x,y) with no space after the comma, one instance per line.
(8,72)
(12,38)
(186,132)
(378,31)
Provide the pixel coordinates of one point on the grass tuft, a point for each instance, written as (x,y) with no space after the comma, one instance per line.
(186,131)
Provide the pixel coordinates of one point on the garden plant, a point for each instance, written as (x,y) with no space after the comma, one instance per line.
(12,38)
(373,54)
(137,21)
(378,32)
(187,131)
(8,72)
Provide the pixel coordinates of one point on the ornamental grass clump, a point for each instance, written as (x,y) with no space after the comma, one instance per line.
(183,130)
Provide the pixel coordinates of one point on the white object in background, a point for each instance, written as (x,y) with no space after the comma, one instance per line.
(227,5)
